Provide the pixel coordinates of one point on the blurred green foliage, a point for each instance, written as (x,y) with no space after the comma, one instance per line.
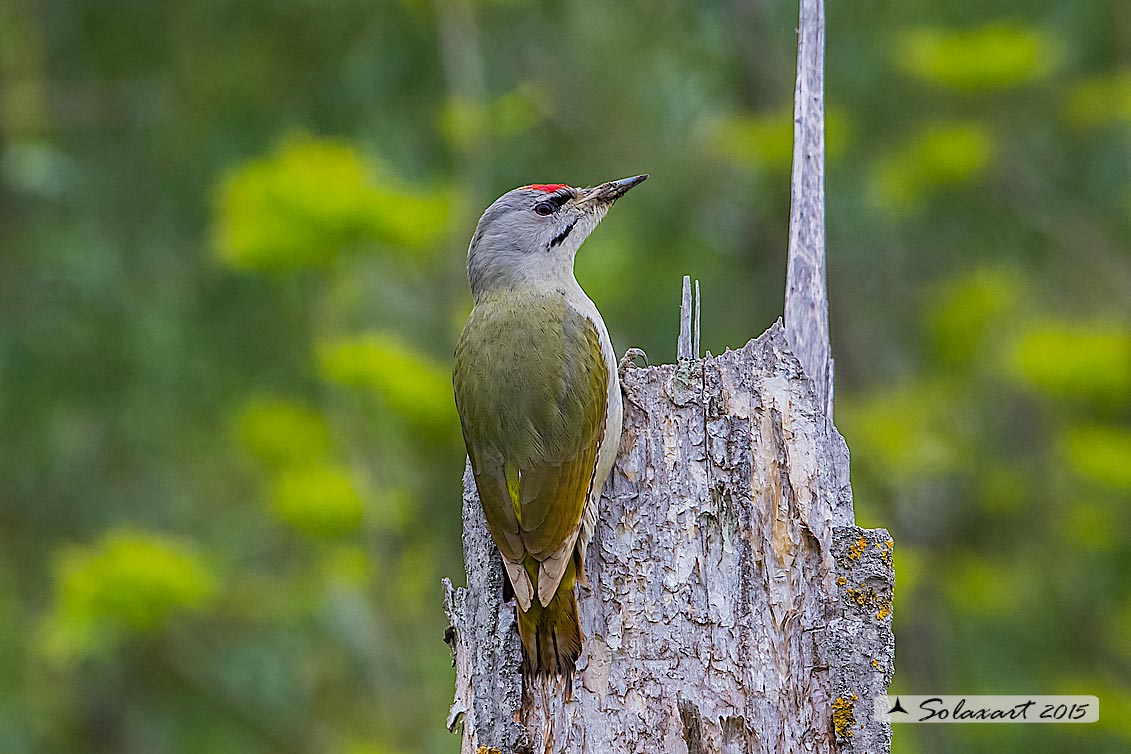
(232,271)
(126,582)
(409,383)
(943,155)
(466,122)
(1075,361)
(962,311)
(993,56)
(1101,100)
(313,199)
(1099,454)
(279,432)
(318,500)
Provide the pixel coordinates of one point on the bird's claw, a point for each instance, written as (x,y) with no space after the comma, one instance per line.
(628,361)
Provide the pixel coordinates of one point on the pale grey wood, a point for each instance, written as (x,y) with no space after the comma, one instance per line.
(713,609)
(483,637)
(806,293)
(685,345)
(695,335)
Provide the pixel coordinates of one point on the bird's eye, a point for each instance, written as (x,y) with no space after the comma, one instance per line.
(544,208)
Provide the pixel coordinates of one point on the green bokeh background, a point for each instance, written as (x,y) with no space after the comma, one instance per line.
(232,239)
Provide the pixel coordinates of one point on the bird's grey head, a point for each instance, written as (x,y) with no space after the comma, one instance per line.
(530,235)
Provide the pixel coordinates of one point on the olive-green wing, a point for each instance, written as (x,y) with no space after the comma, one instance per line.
(531,386)
(556,485)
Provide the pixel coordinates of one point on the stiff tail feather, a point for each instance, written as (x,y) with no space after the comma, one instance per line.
(551,635)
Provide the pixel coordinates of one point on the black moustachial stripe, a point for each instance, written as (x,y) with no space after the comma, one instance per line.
(562,236)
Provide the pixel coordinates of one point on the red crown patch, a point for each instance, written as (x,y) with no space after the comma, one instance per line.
(549,188)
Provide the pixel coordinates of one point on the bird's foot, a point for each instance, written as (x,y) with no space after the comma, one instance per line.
(628,361)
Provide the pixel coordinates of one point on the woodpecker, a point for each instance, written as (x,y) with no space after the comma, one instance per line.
(539,400)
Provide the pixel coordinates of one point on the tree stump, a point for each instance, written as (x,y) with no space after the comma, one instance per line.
(727,611)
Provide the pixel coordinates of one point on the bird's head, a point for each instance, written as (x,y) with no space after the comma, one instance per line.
(531,234)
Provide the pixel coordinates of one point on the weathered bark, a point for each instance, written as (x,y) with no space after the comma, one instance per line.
(859,645)
(806,291)
(687,347)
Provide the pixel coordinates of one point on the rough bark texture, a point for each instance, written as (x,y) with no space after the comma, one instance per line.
(859,643)
(685,346)
(806,293)
(483,636)
(715,617)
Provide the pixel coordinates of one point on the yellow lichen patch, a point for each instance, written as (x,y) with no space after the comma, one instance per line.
(857,549)
(841,581)
(487,750)
(875,663)
(890,544)
(868,598)
(843,719)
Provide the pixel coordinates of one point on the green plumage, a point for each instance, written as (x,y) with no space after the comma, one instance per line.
(531,387)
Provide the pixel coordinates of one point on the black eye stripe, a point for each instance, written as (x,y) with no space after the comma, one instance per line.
(556,199)
(559,198)
(562,236)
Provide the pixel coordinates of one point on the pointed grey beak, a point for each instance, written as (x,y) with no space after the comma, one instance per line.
(613,190)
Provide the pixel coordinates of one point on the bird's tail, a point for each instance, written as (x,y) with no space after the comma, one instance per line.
(551,635)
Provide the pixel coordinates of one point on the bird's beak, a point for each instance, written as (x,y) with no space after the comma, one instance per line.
(607,193)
